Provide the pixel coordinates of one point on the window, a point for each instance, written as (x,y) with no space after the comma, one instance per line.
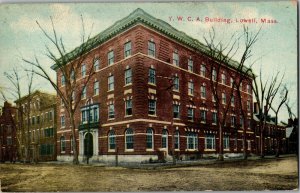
(50,116)
(48,132)
(214,118)
(235,141)
(9,140)
(190,114)
(128,107)
(241,86)
(111,140)
(71,144)
(231,82)
(63,80)
(241,122)
(111,57)
(111,111)
(83,94)
(192,141)
(203,116)
(203,70)
(93,115)
(129,139)
(46,149)
(152,107)
(214,74)
(232,101)
(151,76)
(210,142)
(127,49)
(175,59)
(176,83)
(190,87)
(96,64)
(248,105)
(62,121)
(110,83)
(223,98)
(223,78)
(164,139)
(203,91)
(149,138)
(128,76)
(83,70)
(176,140)
(33,120)
(151,48)
(232,121)
(62,144)
(226,142)
(38,119)
(249,89)
(176,111)
(190,65)
(213,98)
(72,75)
(96,88)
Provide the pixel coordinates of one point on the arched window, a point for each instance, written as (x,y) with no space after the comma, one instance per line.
(111,140)
(129,139)
(62,144)
(149,138)
(164,139)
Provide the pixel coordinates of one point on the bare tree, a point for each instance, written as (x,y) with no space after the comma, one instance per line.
(223,53)
(23,136)
(283,99)
(265,93)
(68,66)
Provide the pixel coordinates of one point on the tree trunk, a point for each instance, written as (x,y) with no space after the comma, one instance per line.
(221,151)
(262,144)
(75,152)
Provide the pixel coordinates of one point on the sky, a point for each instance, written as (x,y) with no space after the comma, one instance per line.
(275,50)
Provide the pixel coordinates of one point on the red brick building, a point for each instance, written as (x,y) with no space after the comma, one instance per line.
(135,114)
(37,125)
(8,137)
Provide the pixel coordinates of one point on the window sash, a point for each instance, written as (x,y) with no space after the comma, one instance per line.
(175,59)
(226,142)
(83,70)
(176,111)
(190,65)
(203,116)
(110,57)
(203,91)
(128,76)
(127,49)
(210,142)
(214,117)
(152,107)
(151,48)
(96,88)
(111,83)
(214,75)
(190,114)
(149,139)
(176,83)
(128,107)
(191,88)
(176,140)
(202,70)
(151,76)
(96,64)
(111,111)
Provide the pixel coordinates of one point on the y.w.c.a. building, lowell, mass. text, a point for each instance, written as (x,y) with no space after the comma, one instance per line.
(151,93)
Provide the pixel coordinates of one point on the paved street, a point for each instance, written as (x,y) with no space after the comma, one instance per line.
(268,174)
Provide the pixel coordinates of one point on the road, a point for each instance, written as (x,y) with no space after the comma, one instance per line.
(268,174)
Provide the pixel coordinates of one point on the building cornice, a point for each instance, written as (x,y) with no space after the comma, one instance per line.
(141,17)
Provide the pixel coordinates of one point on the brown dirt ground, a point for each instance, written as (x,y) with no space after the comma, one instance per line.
(275,174)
